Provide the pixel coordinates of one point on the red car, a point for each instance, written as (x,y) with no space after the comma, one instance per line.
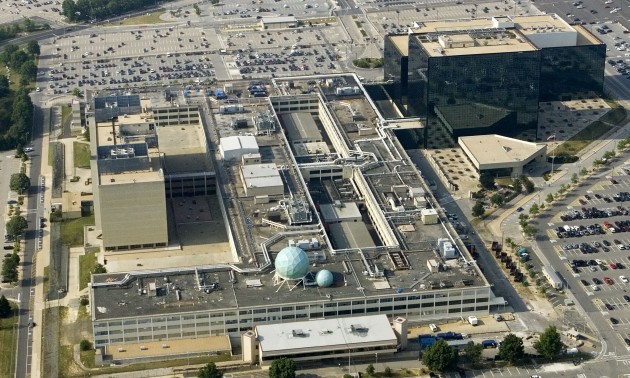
(613,266)
(608,280)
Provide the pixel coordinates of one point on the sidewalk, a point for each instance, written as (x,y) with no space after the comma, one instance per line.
(41,260)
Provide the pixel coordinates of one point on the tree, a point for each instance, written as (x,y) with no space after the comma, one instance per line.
(85,345)
(28,70)
(210,371)
(534,209)
(197,10)
(472,352)
(549,198)
(7,52)
(10,268)
(528,184)
(549,345)
(98,269)
(19,182)
(530,230)
(28,25)
(369,370)
(76,92)
(282,368)
(486,180)
(5,307)
(440,356)
(69,9)
(518,187)
(497,199)
(478,210)
(4,86)
(511,349)
(388,372)
(32,47)
(16,225)
(584,172)
(609,154)
(574,178)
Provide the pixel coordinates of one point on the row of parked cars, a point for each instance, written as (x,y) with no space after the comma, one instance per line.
(593,212)
(566,231)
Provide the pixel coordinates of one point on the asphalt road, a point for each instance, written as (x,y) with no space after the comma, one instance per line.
(34,210)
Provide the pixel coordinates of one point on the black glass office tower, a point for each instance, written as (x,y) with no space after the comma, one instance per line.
(491,82)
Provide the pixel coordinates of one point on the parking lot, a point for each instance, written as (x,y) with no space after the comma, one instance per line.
(178,54)
(13,10)
(592,236)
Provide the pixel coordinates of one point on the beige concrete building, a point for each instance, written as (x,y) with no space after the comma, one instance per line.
(133,174)
(501,156)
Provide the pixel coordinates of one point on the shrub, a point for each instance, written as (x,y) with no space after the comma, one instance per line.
(85,345)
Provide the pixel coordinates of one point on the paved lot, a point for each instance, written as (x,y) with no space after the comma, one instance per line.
(605,266)
(13,10)
(177,54)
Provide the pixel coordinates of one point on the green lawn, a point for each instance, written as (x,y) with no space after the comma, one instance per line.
(81,155)
(87,263)
(66,112)
(8,344)
(582,139)
(148,18)
(72,230)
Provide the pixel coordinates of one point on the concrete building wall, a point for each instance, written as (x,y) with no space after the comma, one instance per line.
(134,214)
(415,307)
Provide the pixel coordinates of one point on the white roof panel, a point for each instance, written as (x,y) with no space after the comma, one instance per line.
(329,333)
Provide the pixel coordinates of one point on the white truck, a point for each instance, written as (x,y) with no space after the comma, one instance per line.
(473,320)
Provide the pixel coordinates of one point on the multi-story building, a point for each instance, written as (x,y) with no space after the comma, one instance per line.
(141,158)
(353,203)
(487,76)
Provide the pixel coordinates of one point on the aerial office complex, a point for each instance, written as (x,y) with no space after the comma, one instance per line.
(487,76)
(336,223)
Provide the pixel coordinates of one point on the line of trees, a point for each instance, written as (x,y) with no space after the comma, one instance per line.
(27,25)
(84,10)
(442,357)
(16,108)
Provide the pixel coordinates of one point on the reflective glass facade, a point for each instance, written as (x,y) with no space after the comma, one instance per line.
(567,71)
(498,93)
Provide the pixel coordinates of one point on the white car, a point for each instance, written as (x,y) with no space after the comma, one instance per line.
(623,279)
(595,287)
(433,327)
(29,149)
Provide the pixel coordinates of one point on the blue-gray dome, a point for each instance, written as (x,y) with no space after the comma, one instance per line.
(291,263)
(324,278)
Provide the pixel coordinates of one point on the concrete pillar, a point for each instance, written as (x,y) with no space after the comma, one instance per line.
(400,329)
(249,347)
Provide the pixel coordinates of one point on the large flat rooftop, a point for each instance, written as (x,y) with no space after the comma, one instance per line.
(384,265)
(114,300)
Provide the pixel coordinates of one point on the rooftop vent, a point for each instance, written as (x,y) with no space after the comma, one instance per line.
(298,333)
(358,328)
